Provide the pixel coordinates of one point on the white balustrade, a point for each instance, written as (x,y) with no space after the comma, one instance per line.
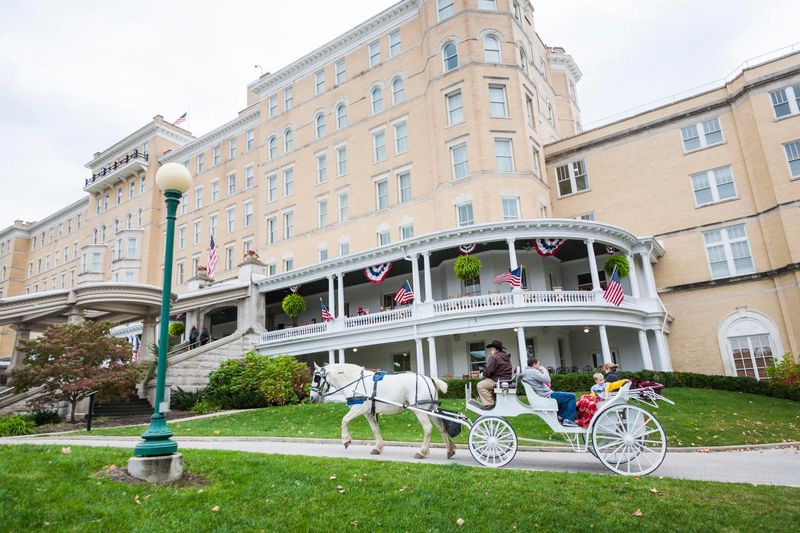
(374,319)
(291,333)
(473,303)
(559,297)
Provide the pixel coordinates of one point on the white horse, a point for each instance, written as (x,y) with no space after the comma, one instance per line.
(343,381)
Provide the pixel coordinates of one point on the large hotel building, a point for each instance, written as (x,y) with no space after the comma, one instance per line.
(436,125)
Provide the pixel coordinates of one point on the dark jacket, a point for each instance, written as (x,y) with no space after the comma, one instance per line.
(193,335)
(499,367)
(612,376)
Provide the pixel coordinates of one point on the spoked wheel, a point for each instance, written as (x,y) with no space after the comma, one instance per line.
(629,440)
(492,441)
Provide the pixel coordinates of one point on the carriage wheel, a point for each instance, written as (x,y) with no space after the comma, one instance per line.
(629,440)
(492,441)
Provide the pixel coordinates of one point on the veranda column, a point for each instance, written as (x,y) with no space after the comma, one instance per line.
(340,305)
(17,357)
(331,296)
(331,357)
(149,337)
(644,347)
(433,370)
(522,347)
(341,355)
(415,278)
(593,265)
(420,356)
(426,264)
(632,276)
(604,345)
(512,254)
(648,275)
(663,354)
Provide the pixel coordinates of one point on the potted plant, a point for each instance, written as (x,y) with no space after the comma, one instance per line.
(293,304)
(620,262)
(176,329)
(251,255)
(467,267)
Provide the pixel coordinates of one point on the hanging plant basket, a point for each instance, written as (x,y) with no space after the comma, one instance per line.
(176,329)
(293,304)
(621,263)
(467,267)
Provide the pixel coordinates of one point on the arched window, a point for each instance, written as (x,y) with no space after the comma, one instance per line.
(750,343)
(491,49)
(450,56)
(272,147)
(398,90)
(140,217)
(102,234)
(129,221)
(94,236)
(341,116)
(319,125)
(116,226)
(288,140)
(377,100)
(523,60)
(3,276)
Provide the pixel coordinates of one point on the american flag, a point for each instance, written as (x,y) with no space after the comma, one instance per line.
(514,278)
(326,315)
(405,294)
(212,258)
(613,293)
(181,119)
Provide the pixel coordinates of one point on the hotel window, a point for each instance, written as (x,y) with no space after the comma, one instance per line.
(713,186)
(455,108)
(232,148)
(464,215)
(319,82)
(97,204)
(322,168)
(231,184)
(248,177)
(698,136)
(288,225)
(458,157)
(132,249)
(288,264)
(105,204)
(272,187)
(288,181)
(404,186)
(214,191)
(510,208)
(786,101)
(78,222)
(491,49)
(400,137)
(536,165)
(398,90)
(142,181)
(196,231)
(179,274)
(250,141)
(181,238)
(586,216)
(376,97)
(200,163)
(322,213)
(793,157)
(132,189)
(319,125)
(272,230)
(338,72)
(497,101)
(119,195)
(323,254)
(140,217)
(381,194)
(198,198)
(272,148)
(529,110)
(248,214)
(504,155)
(288,140)
(288,98)
(407,231)
(216,158)
(488,5)
(230,219)
(728,251)
(272,269)
(517,12)
(229,258)
(384,238)
(341,161)
(572,178)
(444,9)
(272,105)
(374,53)
(550,116)
(96,262)
(341,116)
(450,57)
(394,43)
(212,225)
(379,146)
(343,205)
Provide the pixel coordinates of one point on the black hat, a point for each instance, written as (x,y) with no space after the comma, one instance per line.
(496,344)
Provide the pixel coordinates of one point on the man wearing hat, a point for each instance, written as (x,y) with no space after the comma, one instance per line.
(498,368)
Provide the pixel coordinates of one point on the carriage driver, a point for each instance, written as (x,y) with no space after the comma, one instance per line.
(538,378)
(498,368)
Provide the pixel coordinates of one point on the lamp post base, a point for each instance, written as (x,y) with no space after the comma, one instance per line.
(156,439)
(161,469)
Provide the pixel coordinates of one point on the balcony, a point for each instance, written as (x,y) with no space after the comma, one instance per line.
(123,167)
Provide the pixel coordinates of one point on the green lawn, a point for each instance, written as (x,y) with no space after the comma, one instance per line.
(43,489)
(701,417)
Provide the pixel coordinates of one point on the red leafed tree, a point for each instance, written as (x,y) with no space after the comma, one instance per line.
(72,360)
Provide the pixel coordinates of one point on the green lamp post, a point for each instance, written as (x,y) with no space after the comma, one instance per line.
(174,180)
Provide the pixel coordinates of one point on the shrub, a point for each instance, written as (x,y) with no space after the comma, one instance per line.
(467,267)
(786,372)
(293,304)
(44,416)
(620,262)
(13,425)
(204,407)
(181,400)
(258,381)
(176,329)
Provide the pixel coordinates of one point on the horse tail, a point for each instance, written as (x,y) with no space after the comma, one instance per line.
(441,386)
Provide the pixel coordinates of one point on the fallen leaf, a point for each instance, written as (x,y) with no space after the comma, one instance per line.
(215,509)
(654,490)
(216,432)
(460,522)
(637,512)
(66,450)
(332,478)
(354,523)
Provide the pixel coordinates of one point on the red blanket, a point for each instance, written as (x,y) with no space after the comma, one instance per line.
(587,407)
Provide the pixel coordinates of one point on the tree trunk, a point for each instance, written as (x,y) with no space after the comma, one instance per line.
(73,404)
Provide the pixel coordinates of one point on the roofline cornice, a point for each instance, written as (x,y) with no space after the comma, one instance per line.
(157,127)
(567,61)
(247,118)
(33,227)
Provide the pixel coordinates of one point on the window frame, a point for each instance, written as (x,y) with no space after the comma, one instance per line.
(454,165)
(376,148)
(382,194)
(712,181)
(447,59)
(515,202)
(445,9)
(449,97)
(397,138)
(395,48)
(510,156)
(461,223)
(726,243)
(701,134)
(493,88)
(793,146)
(572,178)
(319,82)
(792,102)
(374,53)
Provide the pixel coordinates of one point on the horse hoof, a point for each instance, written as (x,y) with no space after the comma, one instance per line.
(375,451)
(346,444)
(451,453)
(419,456)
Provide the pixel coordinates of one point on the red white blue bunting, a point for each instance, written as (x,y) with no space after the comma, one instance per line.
(377,273)
(467,248)
(610,250)
(294,288)
(547,247)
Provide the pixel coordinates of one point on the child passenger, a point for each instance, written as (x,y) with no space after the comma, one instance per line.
(587,404)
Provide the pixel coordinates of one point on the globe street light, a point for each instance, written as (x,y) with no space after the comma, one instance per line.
(174,180)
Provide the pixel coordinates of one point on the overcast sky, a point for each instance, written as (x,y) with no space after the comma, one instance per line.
(75,77)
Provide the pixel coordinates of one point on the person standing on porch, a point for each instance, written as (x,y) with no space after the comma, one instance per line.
(498,368)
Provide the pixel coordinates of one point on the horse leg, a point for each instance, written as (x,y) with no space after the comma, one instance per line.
(373,423)
(448,442)
(425,422)
(354,412)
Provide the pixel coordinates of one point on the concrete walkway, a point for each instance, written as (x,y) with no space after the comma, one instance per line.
(762,467)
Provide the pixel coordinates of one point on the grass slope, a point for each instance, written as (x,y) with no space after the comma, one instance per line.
(700,417)
(44,489)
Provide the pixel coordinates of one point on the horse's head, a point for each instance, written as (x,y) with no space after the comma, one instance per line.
(329,379)
(319,384)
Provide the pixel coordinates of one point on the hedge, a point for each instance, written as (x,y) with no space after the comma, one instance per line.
(13,425)
(583,381)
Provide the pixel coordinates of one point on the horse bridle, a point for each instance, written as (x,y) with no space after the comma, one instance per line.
(322,386)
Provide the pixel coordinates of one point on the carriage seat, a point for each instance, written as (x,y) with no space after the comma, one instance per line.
(539,403)
(512,383)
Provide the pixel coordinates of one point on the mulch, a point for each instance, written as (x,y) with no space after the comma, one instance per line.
(109,422)
(121,475)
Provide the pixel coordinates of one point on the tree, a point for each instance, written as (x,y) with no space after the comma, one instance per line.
(72,360)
